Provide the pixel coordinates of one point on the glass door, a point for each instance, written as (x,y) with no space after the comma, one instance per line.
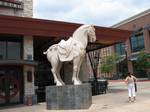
(10,85)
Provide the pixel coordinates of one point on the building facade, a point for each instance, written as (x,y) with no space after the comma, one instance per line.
(22,8)
(17,78)
(24,70)
(139,40)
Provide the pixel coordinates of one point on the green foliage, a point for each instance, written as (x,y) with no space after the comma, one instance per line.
(108,63)
(142,63)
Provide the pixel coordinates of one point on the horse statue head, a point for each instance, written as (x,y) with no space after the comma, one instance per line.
(85,34)
(72,49)
(91,34)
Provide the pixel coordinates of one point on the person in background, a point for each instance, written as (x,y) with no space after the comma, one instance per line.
(130,80)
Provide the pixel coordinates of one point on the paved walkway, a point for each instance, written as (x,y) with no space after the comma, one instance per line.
(116,100)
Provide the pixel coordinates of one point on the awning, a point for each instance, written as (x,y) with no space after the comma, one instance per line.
(133,57)
(13,25)
(121,58)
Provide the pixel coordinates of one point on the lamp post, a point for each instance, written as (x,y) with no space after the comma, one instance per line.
(125,49)
(126,56)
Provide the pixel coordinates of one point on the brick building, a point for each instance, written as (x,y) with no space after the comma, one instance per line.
(139,40)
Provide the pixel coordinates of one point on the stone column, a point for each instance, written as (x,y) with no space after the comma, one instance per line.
(29,88)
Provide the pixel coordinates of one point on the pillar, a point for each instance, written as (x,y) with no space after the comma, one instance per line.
(28,71)
(129,53)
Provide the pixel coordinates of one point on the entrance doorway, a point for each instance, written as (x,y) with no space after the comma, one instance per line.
(43,75)
(11,85)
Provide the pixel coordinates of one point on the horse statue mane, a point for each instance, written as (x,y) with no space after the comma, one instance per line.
(72,49)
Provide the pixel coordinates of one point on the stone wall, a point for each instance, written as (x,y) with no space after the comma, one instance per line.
(26,12)
(28,8)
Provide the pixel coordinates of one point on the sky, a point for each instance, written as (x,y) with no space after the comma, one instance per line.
(97,12)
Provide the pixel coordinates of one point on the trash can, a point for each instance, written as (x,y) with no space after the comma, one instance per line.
(102,85)
(29,101)
(99,86)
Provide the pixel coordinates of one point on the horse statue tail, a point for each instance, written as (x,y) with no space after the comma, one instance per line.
(50,49)
(46,52)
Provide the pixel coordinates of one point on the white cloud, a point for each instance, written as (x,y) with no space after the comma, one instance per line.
(97,12)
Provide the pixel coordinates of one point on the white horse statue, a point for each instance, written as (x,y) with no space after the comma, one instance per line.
(72,49)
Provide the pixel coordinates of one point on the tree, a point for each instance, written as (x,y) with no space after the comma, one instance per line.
(142,62)
(109,62)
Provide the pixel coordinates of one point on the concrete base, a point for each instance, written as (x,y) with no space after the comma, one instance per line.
(69,97)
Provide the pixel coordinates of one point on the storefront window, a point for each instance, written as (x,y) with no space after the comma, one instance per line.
(10,50)
(137,43)
(2,50)
(13,50)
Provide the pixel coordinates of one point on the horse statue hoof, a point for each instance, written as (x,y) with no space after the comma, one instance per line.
(77,82)
(60,83)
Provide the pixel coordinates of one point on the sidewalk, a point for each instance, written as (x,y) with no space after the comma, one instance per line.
(142,106)
(116,100)
(139,80)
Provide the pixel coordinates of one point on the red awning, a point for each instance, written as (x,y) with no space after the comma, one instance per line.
(48,28)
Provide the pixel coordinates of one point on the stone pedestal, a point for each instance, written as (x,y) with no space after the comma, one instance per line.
(69,97)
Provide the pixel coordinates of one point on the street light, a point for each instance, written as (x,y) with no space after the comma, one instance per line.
(125,49)
(123,68)
(126,55)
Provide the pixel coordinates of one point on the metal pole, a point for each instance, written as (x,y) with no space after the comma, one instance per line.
(126,56)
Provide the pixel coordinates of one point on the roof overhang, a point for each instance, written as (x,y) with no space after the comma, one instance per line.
(47,28)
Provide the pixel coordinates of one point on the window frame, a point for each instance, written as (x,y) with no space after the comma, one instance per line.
(15,40)
(137,44)
(121,48)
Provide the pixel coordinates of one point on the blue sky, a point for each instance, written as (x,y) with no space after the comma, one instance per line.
(96,12)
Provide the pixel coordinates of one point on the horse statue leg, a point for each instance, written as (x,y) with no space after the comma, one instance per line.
(55,70)
(56,66)
(76,68)
(80,62)
(58,73)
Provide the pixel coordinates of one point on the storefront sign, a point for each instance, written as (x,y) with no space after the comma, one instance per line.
(11,4)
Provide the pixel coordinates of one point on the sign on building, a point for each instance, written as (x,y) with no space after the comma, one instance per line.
(15,4)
